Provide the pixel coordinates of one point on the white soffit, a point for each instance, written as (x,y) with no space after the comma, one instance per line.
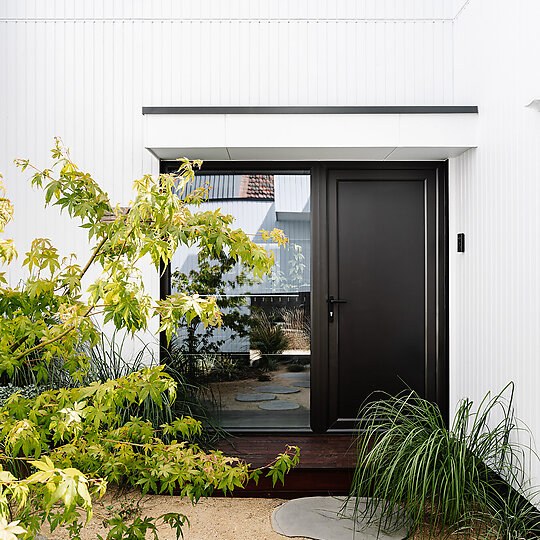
(252,135)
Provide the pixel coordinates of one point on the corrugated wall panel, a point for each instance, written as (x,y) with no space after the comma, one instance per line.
(86,80)
(74,80)
(494,200)
(83,71)
(231,9)
(292,193)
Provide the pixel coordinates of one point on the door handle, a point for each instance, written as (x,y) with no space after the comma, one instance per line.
(331,301)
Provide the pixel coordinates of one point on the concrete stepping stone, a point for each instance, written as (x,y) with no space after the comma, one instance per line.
(321,518)
(255,397)
(295,376)
(279,405)
(302,384)
(275,389)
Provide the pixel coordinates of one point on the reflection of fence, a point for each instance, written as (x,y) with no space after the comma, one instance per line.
(291,312)
(272,302)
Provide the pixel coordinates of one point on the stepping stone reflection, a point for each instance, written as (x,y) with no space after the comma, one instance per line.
(275,389)
(255,397)
(279,406)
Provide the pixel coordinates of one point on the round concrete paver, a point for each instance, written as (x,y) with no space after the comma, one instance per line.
(279,406)
(321,518)
(298,376)
(276,389)
(255,397)
(302,384)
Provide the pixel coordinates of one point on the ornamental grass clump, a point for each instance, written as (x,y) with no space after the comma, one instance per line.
(418,471)
(268,338)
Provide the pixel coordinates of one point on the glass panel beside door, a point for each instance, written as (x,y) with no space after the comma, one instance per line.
(254,371)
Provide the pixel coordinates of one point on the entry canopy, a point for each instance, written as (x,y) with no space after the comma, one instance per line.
(389,133)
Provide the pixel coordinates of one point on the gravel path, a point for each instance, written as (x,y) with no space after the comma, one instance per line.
(215,518)
(210,519)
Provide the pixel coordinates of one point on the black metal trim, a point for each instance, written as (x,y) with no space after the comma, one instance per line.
(364,109)
(245,199)
(300,167)
(238,432)
(164,291)
(319,413)
(319,247)
(443,294)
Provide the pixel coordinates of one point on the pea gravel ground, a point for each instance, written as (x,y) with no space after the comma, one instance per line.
(214,518)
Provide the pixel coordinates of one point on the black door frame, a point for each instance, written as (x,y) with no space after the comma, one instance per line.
(319,272)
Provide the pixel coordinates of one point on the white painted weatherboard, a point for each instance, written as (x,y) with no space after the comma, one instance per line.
(495,200)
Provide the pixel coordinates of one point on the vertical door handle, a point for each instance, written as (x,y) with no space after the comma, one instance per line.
(331,301)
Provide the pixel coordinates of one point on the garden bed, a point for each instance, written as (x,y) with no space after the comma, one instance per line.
(214,518)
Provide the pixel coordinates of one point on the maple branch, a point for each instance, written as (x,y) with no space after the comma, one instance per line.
(93,257)
(52,340)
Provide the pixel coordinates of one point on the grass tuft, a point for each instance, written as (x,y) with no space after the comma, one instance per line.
(420,472)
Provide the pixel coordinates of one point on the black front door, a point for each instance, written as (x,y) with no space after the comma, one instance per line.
(382,301)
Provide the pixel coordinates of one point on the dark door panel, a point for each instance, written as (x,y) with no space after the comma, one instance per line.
(381,328)
(382,264)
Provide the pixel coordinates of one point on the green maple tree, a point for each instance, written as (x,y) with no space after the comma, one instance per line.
(58,452)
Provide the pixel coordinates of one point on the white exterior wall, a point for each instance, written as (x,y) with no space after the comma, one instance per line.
(83,71)
(495,201)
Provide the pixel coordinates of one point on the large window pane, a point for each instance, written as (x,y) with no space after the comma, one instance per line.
(265,337)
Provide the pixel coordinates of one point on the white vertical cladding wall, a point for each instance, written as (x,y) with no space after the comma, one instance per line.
(80,81)
(233,9)
(495,201)
(83,71)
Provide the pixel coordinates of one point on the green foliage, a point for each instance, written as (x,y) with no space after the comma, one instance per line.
(202,368)
(295,368)
(418,471)
(107,361)
(210,279)
(50,314)
(297,326)
(218,366)
(7,248)
(139,528)
(76,441)
(293,278)
(24,391)
(268,338)
(282,465)
(59,450)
